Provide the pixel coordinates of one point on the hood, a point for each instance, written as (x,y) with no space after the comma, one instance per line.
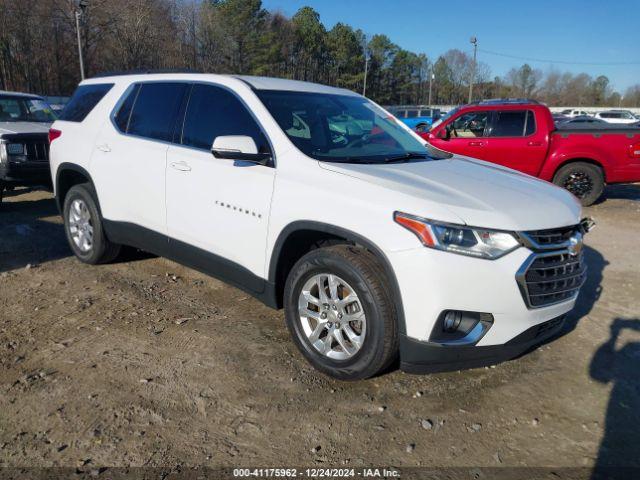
(481,194)
(24,127)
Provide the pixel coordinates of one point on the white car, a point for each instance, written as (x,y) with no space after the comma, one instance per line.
(574,113)
(317,200)
(617,116)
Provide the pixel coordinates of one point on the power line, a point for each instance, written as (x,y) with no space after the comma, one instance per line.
(563,62)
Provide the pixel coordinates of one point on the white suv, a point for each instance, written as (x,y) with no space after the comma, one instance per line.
(317,200)
(617,116)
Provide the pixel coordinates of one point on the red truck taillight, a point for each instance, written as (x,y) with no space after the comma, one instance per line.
(634,150)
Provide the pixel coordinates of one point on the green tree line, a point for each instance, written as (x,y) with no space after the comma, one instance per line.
(38,52)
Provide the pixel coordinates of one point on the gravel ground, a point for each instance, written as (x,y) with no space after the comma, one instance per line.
(147,363)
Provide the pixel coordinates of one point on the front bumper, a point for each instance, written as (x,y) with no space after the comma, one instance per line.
(433,281)
(426,357)
(25,173)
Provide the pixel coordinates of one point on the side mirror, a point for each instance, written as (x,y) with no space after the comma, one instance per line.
(238,147)
(444,133)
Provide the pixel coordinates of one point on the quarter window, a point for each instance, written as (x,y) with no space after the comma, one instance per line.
(84,99)
(213,112)
(530,128)
(155,110)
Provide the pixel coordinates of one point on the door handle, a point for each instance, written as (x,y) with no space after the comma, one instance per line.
(534,144)
(181,166)
(104,148)
(476,144)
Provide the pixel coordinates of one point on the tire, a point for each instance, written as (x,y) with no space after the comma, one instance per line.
(584,180)
(423,127)
(85,211)
(355,270)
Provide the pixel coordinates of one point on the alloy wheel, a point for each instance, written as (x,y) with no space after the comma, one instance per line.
(81,225)
(579,183)
(332,316)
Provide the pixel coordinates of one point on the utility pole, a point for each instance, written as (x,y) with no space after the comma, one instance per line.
(366,70)
(82,4)
(474,42)
(364,43)
(431,77)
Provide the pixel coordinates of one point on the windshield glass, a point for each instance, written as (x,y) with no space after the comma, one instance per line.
(24,109)
(341,128)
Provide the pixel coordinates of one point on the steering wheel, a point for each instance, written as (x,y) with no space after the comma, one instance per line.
(339,139)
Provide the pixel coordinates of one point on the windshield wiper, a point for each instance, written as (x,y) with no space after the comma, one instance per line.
(407,156)
(346,160)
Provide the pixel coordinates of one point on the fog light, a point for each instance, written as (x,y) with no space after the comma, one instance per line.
(452,320)
(460,327)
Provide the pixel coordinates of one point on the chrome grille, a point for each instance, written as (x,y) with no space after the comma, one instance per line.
(551,278)
(37,151)
(551,238)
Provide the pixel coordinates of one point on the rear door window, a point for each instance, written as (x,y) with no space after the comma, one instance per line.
(156,109)
(121,119)
(83,101)
(512,123)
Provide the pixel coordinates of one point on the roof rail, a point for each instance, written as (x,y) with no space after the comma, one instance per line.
(501,101)
(417,107)
(143,71)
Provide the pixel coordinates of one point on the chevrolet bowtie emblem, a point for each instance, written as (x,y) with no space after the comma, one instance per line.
(575,244)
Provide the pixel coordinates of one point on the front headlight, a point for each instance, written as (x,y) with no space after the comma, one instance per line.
(472,241)
(3,152)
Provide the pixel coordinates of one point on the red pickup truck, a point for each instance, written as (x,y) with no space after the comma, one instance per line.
(522,135)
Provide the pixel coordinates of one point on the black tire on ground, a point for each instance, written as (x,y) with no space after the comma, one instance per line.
(584,180)
(363,272)
(423,127)
(102,250)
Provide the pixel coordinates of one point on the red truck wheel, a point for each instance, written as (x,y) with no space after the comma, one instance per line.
(584,180)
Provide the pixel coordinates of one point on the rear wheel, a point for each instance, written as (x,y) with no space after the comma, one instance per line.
(83,227)
(423,127)
(340,312)
(584,180)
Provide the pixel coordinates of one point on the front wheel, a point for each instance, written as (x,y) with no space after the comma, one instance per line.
(339,310)
(584,180)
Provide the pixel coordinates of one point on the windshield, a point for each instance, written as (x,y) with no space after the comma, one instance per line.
(342,128)
(25,109)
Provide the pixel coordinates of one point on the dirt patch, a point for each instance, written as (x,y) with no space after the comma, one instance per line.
(147,363)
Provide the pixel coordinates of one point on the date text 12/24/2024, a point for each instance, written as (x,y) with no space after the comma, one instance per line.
(316,472)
